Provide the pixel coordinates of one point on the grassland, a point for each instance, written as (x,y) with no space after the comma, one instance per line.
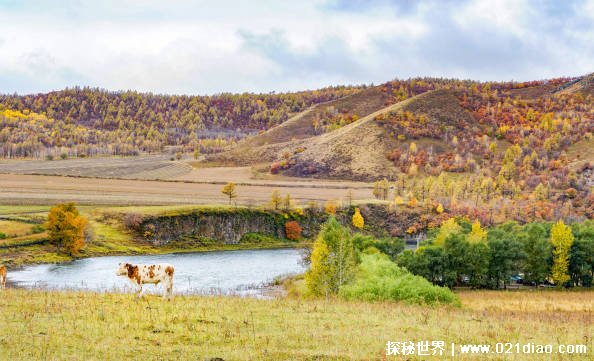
(55,325)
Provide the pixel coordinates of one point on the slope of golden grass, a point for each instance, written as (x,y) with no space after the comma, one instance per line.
(358,150)
(263,147)
(75,325)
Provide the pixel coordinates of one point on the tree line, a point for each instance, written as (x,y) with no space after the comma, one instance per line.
(460,253)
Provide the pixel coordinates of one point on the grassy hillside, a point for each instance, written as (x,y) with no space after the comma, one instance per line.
(73,325)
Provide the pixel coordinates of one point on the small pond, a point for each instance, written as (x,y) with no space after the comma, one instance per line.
(245,273)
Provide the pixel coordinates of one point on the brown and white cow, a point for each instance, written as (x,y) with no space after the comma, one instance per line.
(2,276)
(139,274)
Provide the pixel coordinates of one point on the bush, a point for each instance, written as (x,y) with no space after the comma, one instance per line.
(379,279)
(358,220)
(3,235)
(38,228)
(63,156)
(390,246)
(132,221)
(293,230)
(257,238)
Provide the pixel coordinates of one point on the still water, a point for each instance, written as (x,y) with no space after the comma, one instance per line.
(226,272)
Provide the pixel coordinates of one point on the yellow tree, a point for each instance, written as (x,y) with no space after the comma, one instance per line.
(318,277)
(66,228)
(229,191)
(561,239)
(477,234)
(358,220)
(447,228)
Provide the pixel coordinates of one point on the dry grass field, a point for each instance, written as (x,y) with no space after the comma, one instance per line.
(141,167)
(36,189)
(38,325)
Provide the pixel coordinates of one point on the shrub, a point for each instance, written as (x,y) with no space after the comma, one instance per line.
(358,220)
(389,246)
(293,230)
(63,156)
(3,235)
(379,279)
(38,228)
(132,221)
(330,207)
(256,238)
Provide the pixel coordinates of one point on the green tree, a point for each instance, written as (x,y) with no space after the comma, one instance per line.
(538,253)
(562,240)
(477,264)
(507,255)
(66,228)
(581,255)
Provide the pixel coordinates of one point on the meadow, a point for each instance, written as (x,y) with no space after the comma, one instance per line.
(37,324)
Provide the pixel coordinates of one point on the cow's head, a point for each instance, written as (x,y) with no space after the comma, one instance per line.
(123,269)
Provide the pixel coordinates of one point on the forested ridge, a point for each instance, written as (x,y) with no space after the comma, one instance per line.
(90,121)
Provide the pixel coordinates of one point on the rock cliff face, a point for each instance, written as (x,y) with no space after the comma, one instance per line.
(224,226)
(229,226)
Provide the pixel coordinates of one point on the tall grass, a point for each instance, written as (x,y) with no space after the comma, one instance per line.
(44,325)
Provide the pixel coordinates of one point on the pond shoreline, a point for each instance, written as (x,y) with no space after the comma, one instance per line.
(63,259)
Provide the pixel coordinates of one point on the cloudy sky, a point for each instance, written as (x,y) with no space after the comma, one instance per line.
(205,47)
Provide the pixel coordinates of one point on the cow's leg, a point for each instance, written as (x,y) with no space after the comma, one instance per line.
(139,291)
(168,289)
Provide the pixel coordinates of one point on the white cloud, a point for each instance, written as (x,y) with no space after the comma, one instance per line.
(213,46)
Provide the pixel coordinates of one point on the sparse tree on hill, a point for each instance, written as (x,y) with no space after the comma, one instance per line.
(287,202)
(229,191)
(381,189)
(275,199)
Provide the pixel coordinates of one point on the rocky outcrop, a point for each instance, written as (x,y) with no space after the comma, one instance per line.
(230,226)
(226,226)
